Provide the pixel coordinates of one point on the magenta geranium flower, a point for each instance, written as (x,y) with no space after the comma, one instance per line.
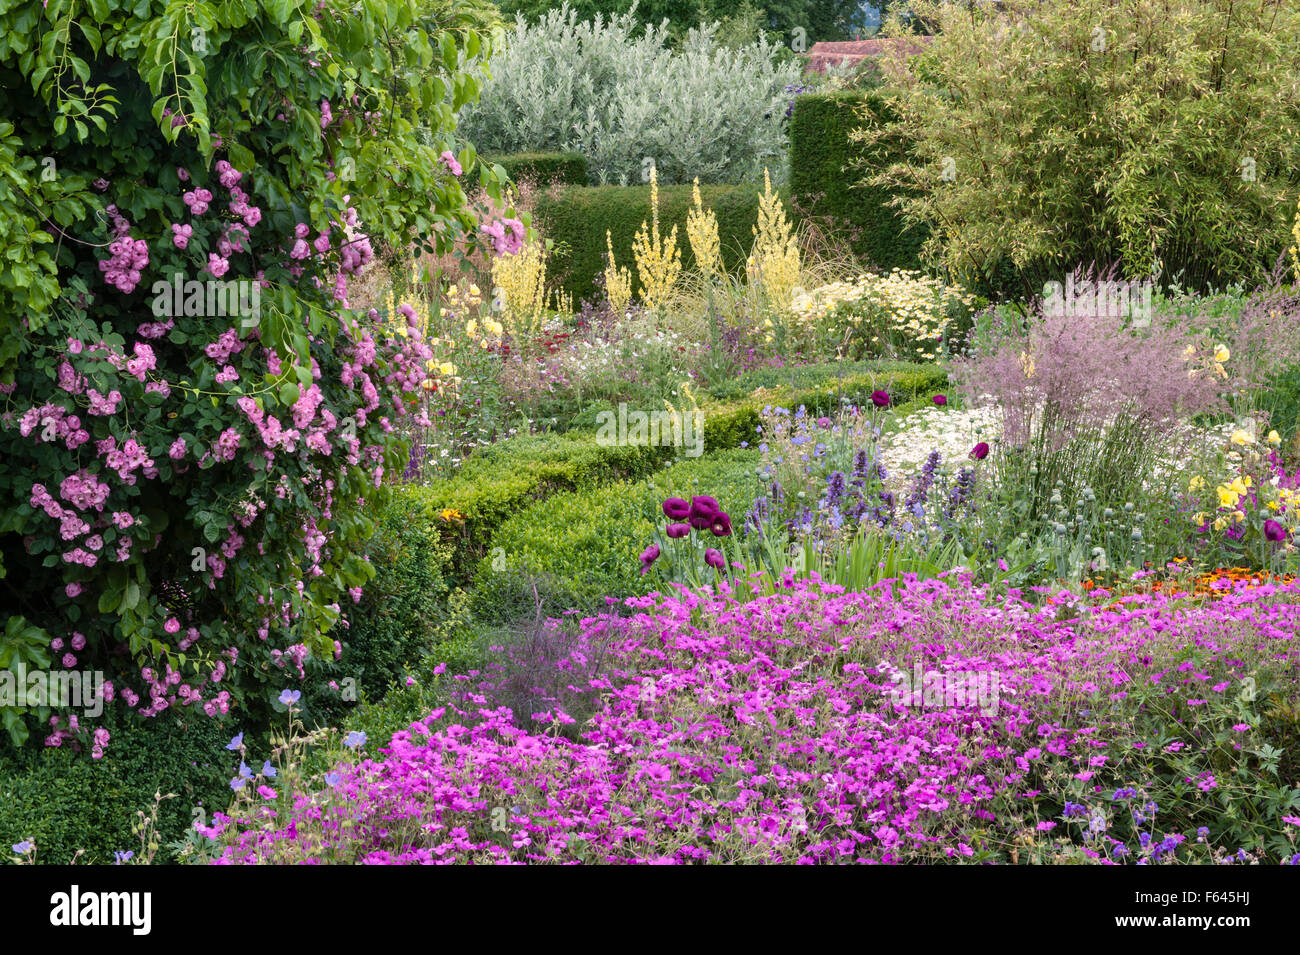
(880,399)
(676,509)
(980,451)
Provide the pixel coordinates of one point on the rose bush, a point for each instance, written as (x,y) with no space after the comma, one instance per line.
(193,421)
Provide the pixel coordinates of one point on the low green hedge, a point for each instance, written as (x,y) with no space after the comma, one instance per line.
(498,481)
(825,180)
(495,483)
(579,217)
(543,168)
(65,801)
(733,425)
(579,548)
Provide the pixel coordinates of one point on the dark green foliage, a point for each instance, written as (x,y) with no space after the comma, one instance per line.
(65,801)
(824,177)
(580,216)
(397,619)
(543,168)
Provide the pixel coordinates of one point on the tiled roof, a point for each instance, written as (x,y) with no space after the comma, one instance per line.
(834,53)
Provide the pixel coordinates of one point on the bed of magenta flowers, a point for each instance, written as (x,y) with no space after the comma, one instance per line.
(949,724)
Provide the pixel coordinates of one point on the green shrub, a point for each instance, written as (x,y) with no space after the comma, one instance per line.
(824,177)
(578,548)
(544,168)
(401,609)
(580,216)
(1103,131)
(618,92)
(65,801)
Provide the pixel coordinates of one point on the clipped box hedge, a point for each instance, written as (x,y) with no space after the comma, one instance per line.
(543,168)
(824,178)
(500,480)
(581,547)
(732,425)
(497,482)
(578,217)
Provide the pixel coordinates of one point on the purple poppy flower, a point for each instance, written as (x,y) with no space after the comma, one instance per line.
(980,451)
(676,531)
(1274,531)
(941,400)
(703,510)
(721,525)
(713,558)
(880,399)
(676,509)
(648,557)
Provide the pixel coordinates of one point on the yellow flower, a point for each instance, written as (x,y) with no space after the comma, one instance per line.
(1221,353)
(1273,505)
(447,368)
(471,327)
(658,260)
(1199,518)
(1274,438)
(449,514)
(1240,437)
(1220,524)
(1196,483)
(1228,496)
